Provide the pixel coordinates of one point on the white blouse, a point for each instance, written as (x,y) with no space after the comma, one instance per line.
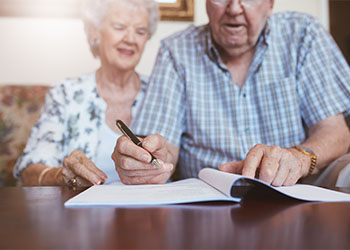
(105,149)
(71,119)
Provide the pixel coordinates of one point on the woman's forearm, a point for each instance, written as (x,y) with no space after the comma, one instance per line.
(41,175)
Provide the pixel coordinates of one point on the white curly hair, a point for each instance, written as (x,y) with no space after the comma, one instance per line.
(94,12)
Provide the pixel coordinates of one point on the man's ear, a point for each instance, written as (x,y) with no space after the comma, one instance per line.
(271,3)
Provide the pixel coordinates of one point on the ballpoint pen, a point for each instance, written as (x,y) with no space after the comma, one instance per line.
(127,132)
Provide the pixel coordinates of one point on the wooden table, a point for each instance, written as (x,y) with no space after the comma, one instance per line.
(35,217)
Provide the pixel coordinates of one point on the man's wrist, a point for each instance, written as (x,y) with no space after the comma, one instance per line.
(311,156)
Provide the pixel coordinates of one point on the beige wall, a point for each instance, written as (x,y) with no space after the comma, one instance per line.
(34,50)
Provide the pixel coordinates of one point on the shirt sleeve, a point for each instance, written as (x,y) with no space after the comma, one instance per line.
(163,109)
(47,139)
(323,76)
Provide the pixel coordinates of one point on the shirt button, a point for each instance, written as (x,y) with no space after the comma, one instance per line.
(247,130)
(244,95)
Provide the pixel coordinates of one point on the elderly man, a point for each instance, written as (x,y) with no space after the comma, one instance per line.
(255,94)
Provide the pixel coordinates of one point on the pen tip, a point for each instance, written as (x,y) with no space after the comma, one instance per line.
(156,163)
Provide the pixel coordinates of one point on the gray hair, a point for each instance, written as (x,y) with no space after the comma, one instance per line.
(94,12)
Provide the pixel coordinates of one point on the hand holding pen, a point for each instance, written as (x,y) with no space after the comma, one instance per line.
(137,161)
(127,132)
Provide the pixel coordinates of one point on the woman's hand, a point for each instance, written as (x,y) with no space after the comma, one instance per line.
(79,170)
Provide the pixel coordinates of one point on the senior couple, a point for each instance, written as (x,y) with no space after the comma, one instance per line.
(250,93)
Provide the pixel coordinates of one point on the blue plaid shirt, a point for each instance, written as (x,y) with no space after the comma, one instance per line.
(298,77)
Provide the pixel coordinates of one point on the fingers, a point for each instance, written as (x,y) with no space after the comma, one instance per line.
(282,171)
(158,176)
(289,169)
(252,161)
(67,173)
(232,167)
(272,164)
(129,156)
(155,144)
(126,153)
(127,162)
(81,182)
(133,162)
(295,172)
(92,167)
(164,168)
(77,164)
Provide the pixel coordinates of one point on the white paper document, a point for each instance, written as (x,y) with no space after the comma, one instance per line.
(212,185)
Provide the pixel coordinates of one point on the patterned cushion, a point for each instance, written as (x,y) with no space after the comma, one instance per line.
(20,108)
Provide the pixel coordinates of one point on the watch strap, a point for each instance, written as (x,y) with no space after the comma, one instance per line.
(311,154)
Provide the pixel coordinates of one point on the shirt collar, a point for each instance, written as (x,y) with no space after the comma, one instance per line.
(212,51)
(265,34)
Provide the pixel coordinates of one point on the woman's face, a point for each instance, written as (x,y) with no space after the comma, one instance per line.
(123,35)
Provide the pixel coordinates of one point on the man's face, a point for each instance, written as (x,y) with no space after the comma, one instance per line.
(237,24)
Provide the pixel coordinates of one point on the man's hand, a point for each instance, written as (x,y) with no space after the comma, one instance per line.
(79,167)
(271,164)
(133,162)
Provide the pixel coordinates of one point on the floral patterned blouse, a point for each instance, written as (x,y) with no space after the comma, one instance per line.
(70,120)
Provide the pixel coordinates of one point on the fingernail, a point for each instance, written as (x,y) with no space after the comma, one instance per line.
(168,167)
(97,181)
(147,145)
(146,158)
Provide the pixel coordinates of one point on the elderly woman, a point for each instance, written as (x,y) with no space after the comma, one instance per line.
(74,138)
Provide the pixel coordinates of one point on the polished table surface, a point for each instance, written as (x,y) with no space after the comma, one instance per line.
(35,218)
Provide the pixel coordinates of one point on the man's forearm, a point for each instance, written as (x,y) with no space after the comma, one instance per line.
(329,139)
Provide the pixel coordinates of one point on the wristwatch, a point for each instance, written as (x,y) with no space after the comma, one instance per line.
(311,154)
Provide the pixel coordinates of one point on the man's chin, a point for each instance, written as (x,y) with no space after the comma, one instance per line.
(236,50)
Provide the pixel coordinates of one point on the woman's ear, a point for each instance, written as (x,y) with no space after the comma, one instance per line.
(93,34)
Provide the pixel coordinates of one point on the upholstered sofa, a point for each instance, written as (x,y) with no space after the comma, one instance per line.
(20,107)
